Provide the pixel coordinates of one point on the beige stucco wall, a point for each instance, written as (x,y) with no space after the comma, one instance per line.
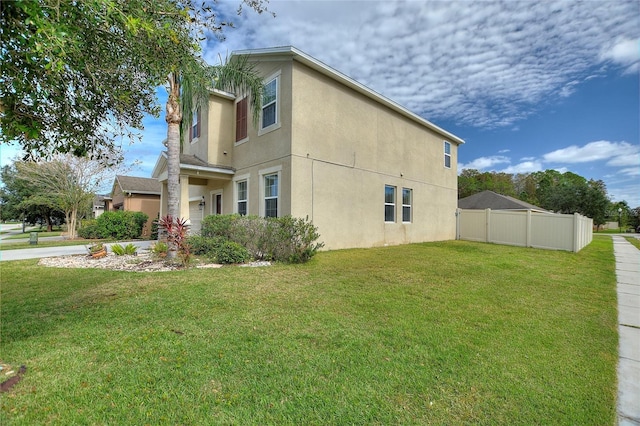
(335,150)
(346,148)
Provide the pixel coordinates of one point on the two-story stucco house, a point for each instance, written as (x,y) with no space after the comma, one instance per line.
(367,171)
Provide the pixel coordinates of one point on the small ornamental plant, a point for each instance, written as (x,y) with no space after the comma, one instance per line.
(160,249)
(176,231)
(130,249)
(97,250)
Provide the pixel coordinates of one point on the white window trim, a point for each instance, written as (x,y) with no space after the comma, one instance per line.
(194,115)
(265,172)
(410,205)
(444,147)
(237,179)
(395,195)
(212,199)
(277,124)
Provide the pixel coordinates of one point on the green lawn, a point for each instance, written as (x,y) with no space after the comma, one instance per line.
(40,234)
(634,241)
(437,333)
(13,245)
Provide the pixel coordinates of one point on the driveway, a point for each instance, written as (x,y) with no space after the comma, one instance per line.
(38,252)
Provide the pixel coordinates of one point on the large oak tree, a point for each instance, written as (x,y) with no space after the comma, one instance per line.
(76,75)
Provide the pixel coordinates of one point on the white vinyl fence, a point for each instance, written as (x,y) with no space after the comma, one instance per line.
(571,232)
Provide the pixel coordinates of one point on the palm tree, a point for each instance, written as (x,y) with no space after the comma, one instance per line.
(189,89)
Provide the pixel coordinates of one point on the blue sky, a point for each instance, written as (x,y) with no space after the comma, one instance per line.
(529,85)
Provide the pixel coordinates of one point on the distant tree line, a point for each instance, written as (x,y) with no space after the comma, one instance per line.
(551,190)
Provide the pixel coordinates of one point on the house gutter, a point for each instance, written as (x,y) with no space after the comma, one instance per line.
(207,169)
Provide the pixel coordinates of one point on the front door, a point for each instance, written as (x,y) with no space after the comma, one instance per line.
(216,203)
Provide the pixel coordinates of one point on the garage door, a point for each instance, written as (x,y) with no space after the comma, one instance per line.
(195,215)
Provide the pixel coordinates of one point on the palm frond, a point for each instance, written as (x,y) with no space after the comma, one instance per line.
(239,76)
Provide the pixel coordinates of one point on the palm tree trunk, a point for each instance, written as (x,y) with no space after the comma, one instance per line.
(174,120)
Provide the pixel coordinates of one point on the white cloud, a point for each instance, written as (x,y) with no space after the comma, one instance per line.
(485,64)
(483,163)
(616,153)
(631,171)
(524,167)
(630,192)
(625,52)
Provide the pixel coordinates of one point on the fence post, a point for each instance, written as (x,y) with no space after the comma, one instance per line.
(487,229)
(528,231)
(576,232)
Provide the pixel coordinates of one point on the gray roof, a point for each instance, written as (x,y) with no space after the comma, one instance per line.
(192,160)
(494,201)
(138,185)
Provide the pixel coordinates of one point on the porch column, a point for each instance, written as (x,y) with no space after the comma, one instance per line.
(163,198)
(184,197)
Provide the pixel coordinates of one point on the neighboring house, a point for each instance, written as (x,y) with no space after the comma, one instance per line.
(138,195)
(494,201)
(367,171)
(99,203)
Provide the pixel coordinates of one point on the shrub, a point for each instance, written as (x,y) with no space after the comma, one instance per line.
(292,240)
(230,252)
(154,228)
(204,245)
(219,225)
(89,229)
(284,239)
(119,225)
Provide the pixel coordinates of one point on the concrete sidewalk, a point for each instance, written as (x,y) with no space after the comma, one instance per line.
(36,253)
(628,288)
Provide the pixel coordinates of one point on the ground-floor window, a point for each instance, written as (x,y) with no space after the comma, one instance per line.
(407,199)
(241,191)
(389,203)
(271,195)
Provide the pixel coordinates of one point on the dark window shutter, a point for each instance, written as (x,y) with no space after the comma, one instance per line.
(241,120)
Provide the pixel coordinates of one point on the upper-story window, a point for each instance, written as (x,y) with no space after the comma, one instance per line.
(195,125)
(447,154)
(270,104)
(242,108)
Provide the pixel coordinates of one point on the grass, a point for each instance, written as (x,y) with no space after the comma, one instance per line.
(40,235)
(633,240)
(4,245)
(437,333)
